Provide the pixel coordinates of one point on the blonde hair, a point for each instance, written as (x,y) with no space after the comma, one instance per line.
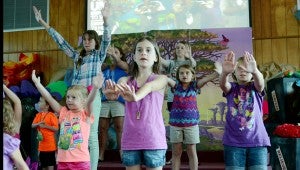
(78,90)
(239,61)
(8,118)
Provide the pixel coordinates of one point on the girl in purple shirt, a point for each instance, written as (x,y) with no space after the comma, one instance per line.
(245,138)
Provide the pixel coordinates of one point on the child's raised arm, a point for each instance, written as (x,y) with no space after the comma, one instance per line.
(188,55)
(105,12)
(17,105)
(97,84)
(44,92)
(39,19)
(228,67)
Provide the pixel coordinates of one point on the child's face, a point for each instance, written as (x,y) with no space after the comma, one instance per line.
(185,75)
(114,54)
(74,101)
(145,55)
(88,44)
(241,75)
(114,51)
(180,49)
(43,105)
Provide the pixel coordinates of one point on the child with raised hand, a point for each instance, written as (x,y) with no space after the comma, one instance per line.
(143,139)
(87,64)
(245,138)
(75,122)
(184,115)
(17,108)
(11,152)
(46,123)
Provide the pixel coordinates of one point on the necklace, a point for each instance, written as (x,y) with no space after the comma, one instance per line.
(140,104)
(138,113)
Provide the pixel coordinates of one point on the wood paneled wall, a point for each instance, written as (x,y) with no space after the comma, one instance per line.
(68,17)
(276,34)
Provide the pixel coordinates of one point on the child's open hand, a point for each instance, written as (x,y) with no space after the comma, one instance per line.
(105,11)
(188,51)
(110,90)
(37,13)
(229,63)
(249,63)
(218,67)
(34,78)
(127,92)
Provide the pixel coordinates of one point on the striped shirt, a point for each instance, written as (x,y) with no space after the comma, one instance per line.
(184,112)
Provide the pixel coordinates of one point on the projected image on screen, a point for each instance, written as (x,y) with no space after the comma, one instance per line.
(128,16)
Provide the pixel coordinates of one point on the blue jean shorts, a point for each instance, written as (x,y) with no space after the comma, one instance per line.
(238,158)
(149,158)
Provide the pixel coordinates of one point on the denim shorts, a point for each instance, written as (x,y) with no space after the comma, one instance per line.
(149,158)
(238,158)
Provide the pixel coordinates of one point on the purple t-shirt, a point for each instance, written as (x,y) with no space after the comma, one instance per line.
(10,144)
(147,131)
(244,119)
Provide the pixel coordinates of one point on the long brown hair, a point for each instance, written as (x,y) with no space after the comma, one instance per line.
(134,69)
(92,35)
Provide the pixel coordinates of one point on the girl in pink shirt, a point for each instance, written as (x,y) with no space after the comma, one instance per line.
(75,120)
